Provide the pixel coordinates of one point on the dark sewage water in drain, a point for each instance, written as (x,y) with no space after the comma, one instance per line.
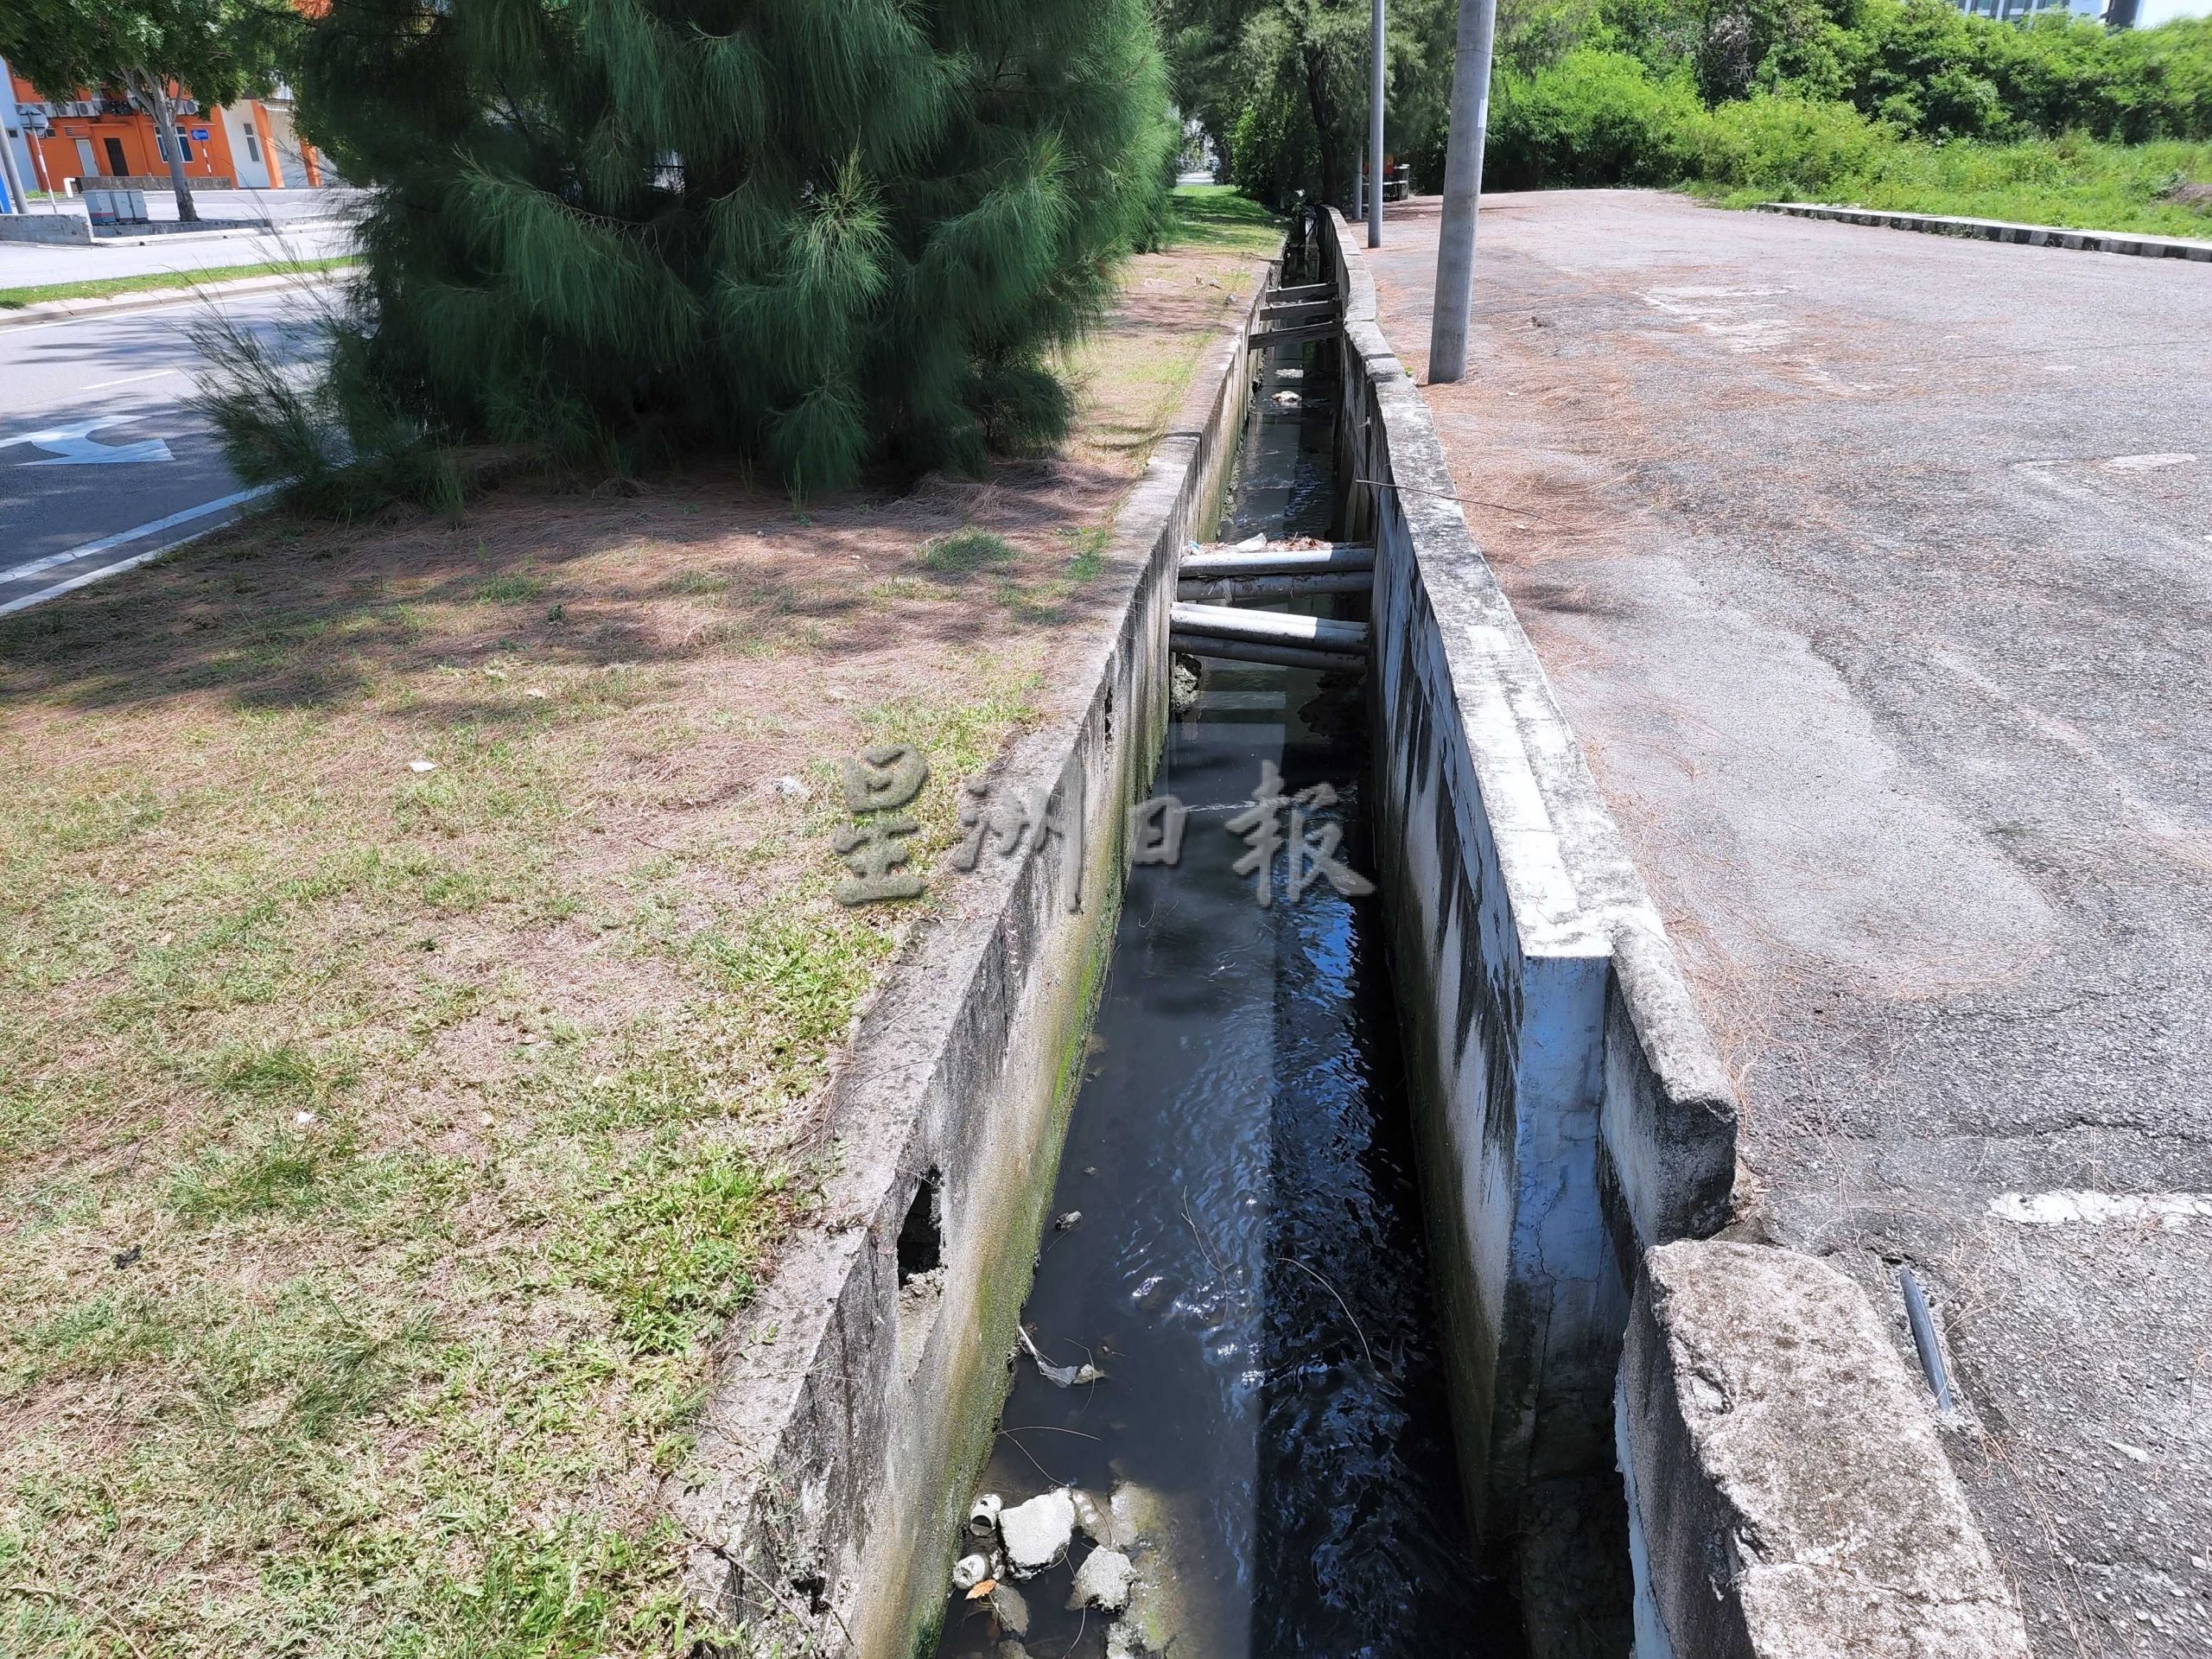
(1248,1270)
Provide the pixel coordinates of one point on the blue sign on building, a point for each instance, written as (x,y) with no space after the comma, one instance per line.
(199,134)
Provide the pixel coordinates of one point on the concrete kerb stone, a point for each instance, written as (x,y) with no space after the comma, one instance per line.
(847,1415)
(1998,230)
(1792,1497)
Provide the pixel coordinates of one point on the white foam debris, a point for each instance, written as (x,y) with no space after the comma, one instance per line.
(2062,1208)
(969,1571)
(1036,1534)
(1102,1581)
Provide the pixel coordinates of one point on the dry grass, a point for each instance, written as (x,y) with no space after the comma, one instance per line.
(380,1148)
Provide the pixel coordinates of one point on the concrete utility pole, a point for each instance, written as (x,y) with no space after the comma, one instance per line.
(11,121)
(1375,126)
(1463,192)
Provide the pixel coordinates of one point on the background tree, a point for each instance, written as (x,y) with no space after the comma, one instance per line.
(1281,87)
(817,232)
(217,50)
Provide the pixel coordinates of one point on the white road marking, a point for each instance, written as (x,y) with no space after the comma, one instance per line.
(91,576)
(129,379)
(73,446)
(122,536)
(2058,1209)
(2144,463)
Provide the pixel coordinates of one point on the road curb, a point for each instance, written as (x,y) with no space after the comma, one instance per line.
(236,230)
(98,306)
(2000,229)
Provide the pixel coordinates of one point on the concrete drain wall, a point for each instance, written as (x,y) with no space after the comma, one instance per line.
(1786,1493)
(1574,1120)
(854,1401)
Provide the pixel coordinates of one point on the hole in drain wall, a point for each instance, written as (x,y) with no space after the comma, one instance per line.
(921,1237)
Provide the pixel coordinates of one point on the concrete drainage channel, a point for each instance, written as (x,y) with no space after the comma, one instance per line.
(1350,1182)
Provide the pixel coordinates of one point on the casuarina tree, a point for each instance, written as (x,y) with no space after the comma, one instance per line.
(818,232)
(218,50)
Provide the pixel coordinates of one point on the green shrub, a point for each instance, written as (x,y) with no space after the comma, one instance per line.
(1592,119)
(1783,146)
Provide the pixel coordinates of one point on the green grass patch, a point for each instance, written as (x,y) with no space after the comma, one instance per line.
(2076,182)
(966,549)
(1087,546)
(12,299)
(1221,217)
(515,588)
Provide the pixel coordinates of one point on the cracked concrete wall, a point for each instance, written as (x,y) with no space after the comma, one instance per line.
(1792,1497)
(1571,1108)
(850,1411)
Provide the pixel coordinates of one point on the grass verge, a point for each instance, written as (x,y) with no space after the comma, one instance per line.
(14,299)
(2078,183)
(418,967)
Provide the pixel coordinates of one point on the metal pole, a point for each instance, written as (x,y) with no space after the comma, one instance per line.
(1463,191)
(1375,126)
(11,121)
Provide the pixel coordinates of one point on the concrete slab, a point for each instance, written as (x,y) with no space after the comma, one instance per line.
(1875,573)
(1794,1502)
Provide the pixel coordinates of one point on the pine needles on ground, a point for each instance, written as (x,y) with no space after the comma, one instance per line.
(820,233)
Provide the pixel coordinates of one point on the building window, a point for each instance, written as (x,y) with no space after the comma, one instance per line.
(252,149)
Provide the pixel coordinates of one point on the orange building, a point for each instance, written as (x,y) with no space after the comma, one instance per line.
(100,138)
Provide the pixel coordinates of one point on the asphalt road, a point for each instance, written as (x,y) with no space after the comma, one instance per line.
(104,457)
(1875,570)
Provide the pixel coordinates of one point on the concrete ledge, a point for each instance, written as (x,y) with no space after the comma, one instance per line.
(1570,1106)
(67,227)
(1998,230)
(850,1411)
(1791,1498)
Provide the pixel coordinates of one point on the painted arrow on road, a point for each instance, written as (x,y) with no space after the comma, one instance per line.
(73,446)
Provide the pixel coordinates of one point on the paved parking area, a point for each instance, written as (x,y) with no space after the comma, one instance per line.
(1875,570)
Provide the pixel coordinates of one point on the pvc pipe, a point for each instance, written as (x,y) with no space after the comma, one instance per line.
(1924,1338)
